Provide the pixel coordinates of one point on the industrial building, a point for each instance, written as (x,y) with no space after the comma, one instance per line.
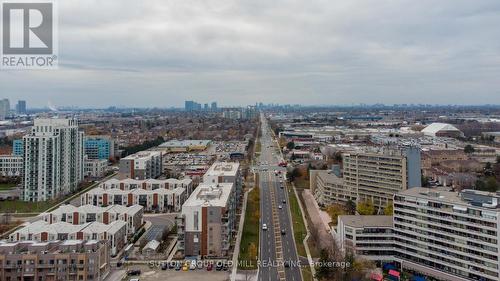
(442,130)
(184,145)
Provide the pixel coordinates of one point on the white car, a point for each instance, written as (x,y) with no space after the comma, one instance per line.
(280,207)
(264,226)
(192,266)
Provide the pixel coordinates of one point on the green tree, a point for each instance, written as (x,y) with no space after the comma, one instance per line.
(491,184)
(350,207)
(425,181)
(480,185)
(487,166)
(290,145)
(337,157)
(389,209)
(324,272)
(469,149)
(366,208)
(335,211)
(293,174)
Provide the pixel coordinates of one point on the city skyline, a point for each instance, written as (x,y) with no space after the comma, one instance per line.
(160,54)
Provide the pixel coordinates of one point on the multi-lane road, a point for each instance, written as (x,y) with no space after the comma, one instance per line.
(277,252)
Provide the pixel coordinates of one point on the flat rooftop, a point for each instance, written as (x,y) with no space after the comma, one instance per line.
(467,197)
(142,154)
(185,143)
(366,221)
(210,195)
(223,169)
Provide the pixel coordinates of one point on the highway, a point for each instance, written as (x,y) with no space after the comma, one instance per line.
(277,252)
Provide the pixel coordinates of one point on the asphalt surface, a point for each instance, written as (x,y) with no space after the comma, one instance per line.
(276,247)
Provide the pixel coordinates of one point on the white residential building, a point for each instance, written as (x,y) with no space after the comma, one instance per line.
(206,224)
(329,188)
(369,237)
(141,165)
(448,235)
(95,168)
(225,172)
(11,166)
(53,159)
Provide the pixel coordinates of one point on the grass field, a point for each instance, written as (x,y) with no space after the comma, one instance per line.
(306,273)
(301,183)
(258,147)
(39,207)
(25,207)
(249,246)
(299,228)
(7,186)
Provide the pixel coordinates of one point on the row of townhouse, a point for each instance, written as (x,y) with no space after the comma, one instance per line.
(114,233)
(132,215)
(158,200)
(149,184)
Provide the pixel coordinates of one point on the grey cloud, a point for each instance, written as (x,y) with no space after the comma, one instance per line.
(145,53)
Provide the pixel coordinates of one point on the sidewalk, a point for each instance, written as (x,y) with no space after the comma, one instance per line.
(306,245)
(318,219)
(236,251)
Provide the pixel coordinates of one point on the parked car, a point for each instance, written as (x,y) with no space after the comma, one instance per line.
(164,266)
(178,266)
(264,226)
(192,265)
(283,232)
(210,266)
(134,272)
(218,267)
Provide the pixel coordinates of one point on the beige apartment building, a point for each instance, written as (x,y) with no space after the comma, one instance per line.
(328,188)
(72,260)
(376,175)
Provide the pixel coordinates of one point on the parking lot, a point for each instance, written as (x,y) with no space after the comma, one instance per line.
(148,274)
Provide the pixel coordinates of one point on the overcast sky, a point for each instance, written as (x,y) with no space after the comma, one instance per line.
(160,53)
